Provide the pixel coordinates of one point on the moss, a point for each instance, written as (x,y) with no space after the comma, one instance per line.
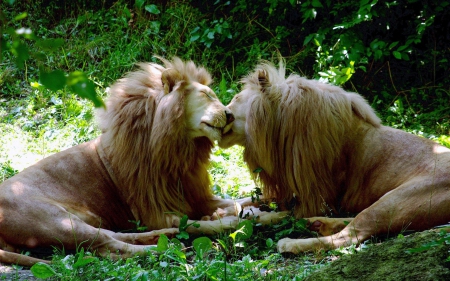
(391,261)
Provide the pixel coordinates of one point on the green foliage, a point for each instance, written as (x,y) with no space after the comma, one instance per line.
(42,270)
(6,171)
(14,41)
(445,239)
(183,226)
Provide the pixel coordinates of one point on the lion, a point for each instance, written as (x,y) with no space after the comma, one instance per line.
(325,150)
(148,165)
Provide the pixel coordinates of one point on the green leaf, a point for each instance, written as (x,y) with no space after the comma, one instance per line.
(54,80)
(163,244)
(177,243)
(202,245)
(155,26)
(21,16)
(183,235)
(223,86)
(140,276)
(194,37)
(222,244)
(363,2)
(82,261)
(127,12)
(393,44)
(269,242)
(42,270)
(243,232)
(83,87)
(405,56)
(153,9)
(308,39)
(20,50)
(139,3)
(397,55)
(316,4)
(183,223)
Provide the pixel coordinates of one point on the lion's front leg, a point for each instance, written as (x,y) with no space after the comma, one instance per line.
(144,238)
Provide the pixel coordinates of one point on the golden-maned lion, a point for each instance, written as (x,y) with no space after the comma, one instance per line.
(149,163)
(325,149)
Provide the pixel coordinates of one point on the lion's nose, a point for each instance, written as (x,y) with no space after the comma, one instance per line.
(229,116)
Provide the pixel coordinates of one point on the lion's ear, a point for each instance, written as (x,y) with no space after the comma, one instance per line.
(169,78)
(263,79)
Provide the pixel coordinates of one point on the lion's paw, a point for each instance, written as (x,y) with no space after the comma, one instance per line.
(288,245)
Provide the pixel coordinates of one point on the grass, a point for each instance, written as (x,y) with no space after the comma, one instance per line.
(105,43)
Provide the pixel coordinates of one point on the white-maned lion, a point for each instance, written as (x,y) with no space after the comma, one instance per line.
(325,149)
(149,163)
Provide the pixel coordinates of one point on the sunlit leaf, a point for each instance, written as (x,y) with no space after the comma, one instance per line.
(163,244)
(140,276)
(153,9)
(202,245)
(42,270)
(21,16)
(183,235)
(82,261)
(243,232)
(222,244)
(83,87)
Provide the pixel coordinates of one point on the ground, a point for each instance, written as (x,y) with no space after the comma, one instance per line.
(8,273)
(391,261)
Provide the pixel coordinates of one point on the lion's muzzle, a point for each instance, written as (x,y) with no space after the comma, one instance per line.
(229,116)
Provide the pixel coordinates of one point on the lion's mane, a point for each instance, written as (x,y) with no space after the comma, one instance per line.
(155,164)
(296,132)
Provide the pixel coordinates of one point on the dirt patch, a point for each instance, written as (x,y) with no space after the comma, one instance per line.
(390,261)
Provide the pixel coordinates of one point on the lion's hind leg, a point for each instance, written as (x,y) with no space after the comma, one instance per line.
(50,225)
(8,254)
(416,205)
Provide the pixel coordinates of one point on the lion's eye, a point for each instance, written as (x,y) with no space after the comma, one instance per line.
(208,95)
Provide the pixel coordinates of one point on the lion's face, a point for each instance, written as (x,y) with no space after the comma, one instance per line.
(234,133)
(206,116)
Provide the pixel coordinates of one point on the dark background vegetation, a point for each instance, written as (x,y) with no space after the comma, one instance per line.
(395,53)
